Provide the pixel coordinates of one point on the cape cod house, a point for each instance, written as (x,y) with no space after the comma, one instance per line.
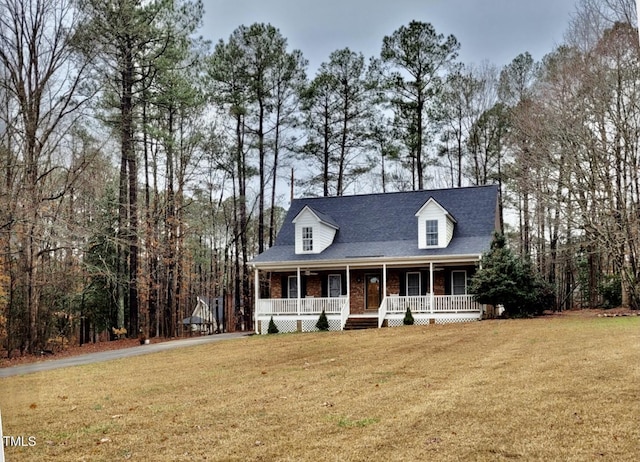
(365,259)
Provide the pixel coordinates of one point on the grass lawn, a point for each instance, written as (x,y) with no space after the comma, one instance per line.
(554,388)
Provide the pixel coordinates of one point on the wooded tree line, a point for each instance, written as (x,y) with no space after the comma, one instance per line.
(143,166)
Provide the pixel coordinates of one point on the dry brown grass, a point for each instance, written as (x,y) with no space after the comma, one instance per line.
(545,389)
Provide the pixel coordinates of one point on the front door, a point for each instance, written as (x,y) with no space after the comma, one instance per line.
(373,293)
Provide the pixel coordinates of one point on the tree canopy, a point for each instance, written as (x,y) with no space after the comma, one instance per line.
(508,280)
(142,166)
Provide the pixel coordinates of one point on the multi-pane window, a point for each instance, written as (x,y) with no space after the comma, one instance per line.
(432,232)
(293,286)
(335,285)
(459,283)
(413,284)
(307,238)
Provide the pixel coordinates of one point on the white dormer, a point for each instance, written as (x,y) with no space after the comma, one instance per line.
(314,230)
(435,225)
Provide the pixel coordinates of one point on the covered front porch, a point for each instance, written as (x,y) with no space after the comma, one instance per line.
(435,292)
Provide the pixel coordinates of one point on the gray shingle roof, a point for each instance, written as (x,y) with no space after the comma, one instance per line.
(384,225)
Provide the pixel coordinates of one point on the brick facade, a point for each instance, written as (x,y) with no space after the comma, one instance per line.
(313,284)
(439,283)
(356,297)
(276,285)
(393,281)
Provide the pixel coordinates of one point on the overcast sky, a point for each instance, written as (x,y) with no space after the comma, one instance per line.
(493,30)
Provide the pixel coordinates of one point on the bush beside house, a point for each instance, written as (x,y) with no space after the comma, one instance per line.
(408,318)
(323,322)
(272,329)
(509,280)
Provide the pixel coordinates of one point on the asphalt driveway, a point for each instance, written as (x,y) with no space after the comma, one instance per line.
(115,354)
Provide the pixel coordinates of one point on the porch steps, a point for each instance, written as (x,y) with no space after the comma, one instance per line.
(358,323)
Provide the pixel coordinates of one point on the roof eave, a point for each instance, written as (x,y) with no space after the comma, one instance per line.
(367,261)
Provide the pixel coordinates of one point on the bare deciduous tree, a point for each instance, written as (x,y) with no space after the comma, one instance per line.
(42,78)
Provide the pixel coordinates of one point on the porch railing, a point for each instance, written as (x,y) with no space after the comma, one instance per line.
(389,305)
(344,315)
(290,306)
(382,312)
(417,304)
(455,303)
(422,304)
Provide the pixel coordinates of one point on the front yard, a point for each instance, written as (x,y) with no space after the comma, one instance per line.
(553,388)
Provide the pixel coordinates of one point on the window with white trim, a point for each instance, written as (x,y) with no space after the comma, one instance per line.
(292,289)
(432,232)
(335,285)
(413,284)
(459,282)
(307,239)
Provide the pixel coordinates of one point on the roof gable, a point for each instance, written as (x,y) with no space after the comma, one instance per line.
(321,217)
(431,202)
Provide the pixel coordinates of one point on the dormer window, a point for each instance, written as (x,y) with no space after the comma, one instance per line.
(307,239)
(435,226)
(314,231)
(432,232)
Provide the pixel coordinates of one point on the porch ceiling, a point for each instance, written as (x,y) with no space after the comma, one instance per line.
(368,262)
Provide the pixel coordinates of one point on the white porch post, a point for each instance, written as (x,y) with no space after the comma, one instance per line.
(431,287)
(299,289)
(384,281)
(349,288)
(256,294)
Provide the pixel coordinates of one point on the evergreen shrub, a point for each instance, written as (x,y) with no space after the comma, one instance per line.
(323,322)
(509,280)
(273,329)
(408,318)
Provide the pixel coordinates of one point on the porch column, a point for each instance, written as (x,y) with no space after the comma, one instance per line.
(299,288)
(256,294)
(348,283)
(348,292)
(431,287)
(384,281)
